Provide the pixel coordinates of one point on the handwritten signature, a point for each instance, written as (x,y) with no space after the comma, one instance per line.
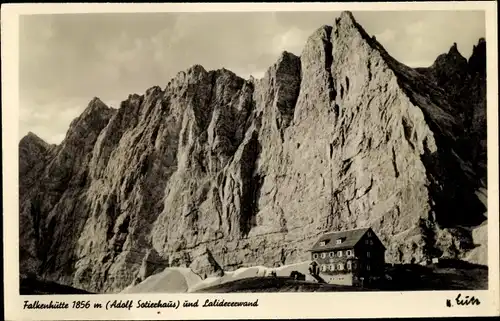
(463,301)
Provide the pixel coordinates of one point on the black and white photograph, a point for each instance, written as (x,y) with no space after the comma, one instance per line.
(192,152)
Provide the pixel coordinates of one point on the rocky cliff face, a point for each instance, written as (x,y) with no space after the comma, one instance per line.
(464,84)
(216,172)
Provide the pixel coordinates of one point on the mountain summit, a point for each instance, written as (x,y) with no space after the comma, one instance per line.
(252,171)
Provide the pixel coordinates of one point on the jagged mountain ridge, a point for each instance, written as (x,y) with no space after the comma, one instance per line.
(215,167)
(464,82)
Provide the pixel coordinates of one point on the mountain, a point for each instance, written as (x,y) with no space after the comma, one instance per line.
(216,172)
(464,81)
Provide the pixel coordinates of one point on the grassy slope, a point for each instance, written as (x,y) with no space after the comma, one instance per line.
(277,284)
(29,286)
(446,276)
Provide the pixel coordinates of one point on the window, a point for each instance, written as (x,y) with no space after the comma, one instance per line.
(339,241)
(371,242)
(369,233)
(368,267)
(323,255)
(323,268)
(353,265)
(332,254)
(367,241)
(315,255)
(332,267)
(368,254)
(349,252)
(322,243)
(339,253)
(349,266)
(340,266)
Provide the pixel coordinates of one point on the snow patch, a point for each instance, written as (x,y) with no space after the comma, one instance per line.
(179,280)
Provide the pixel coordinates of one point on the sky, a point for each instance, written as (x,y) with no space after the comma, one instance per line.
(67,59)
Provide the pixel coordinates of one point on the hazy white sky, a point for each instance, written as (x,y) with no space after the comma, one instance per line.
(67,59)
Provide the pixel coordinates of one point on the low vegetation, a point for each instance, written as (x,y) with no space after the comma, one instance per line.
(31,285)
(275,284)
(446,275)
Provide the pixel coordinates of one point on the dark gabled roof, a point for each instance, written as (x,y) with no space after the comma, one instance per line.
(349,239)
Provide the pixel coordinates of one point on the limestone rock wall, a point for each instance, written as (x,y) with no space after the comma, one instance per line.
(217,172)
